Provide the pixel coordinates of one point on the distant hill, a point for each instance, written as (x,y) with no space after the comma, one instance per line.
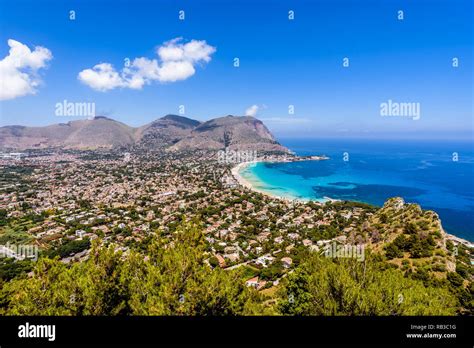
(231,132)
(100,132)
(165,131)
(171,132)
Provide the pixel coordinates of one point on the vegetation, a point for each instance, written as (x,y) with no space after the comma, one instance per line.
(416,246)
(70,248)
(146,261)
(11,268)
(323,286)
(172,280)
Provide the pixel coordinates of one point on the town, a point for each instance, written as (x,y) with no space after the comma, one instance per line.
(61,201)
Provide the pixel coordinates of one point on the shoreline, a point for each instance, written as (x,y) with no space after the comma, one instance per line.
(458,240)
(245,183)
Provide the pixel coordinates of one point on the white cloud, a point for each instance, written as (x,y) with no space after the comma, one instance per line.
(252,111)
(176,62)
(19,70)
(101,77)
(175,71)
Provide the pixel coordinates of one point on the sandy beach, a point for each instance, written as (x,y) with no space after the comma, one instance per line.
(246,183)
(235,172)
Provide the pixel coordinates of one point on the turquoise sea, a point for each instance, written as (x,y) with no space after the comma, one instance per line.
(437,175)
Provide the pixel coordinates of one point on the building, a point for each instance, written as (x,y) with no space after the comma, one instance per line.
(286,261)
(255,283)
(221,260)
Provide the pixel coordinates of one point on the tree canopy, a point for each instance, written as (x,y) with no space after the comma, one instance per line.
(324,286)
(172,280)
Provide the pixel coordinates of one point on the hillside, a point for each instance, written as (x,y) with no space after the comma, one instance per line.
(411,238)
(165,131)
(99,132)
(233,133)
(169,132)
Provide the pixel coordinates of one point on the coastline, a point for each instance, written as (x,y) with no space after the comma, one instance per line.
(245,183)
(457,240)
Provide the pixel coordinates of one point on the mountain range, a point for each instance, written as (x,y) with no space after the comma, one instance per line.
(171,133)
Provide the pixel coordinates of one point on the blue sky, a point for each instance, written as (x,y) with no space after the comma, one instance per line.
(282,62)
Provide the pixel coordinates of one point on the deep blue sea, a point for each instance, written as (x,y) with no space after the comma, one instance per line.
(371,171)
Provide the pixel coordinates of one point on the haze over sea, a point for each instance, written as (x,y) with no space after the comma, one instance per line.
(422,172)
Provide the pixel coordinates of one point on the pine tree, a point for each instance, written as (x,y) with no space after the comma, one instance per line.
(323,286)
(172,279)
